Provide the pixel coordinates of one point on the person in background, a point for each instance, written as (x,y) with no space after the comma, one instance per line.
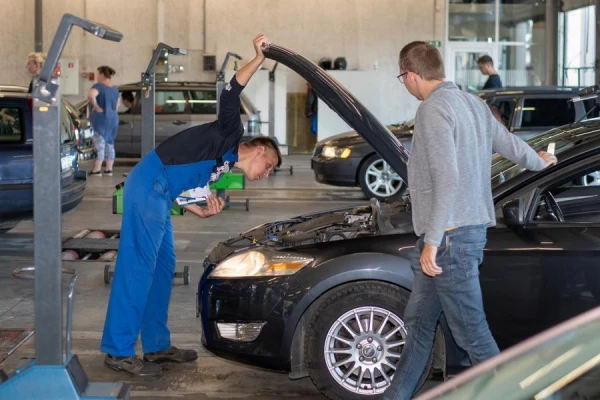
(102,113)
(35,62)
(486,66)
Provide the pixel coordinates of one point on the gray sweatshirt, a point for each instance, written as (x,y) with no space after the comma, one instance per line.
(449,170)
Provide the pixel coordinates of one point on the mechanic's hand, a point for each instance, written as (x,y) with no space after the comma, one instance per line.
(260,42)
(428,265)
(549,159)
(214,205)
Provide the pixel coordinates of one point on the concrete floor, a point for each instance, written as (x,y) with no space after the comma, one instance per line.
(209,377)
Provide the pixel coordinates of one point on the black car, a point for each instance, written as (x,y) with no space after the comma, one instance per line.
(347,160)
(323,295)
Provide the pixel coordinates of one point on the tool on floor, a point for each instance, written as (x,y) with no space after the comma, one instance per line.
(54,375)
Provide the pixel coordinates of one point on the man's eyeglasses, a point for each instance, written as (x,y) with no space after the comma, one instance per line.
(401,77)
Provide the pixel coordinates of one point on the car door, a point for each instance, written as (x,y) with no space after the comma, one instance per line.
(203,105)
(171,116)
(536,114)
(68,148)
(16,156)
(545,271)
(129,122)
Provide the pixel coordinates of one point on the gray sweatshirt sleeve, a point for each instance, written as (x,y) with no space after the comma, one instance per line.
(436,122)
(515,149)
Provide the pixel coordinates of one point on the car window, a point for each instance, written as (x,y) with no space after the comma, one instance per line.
(574,198)
(11,125)
(67,133)
(546,112)
(581,384)
(503,109)
(131,102)
(203,102)
(169,102)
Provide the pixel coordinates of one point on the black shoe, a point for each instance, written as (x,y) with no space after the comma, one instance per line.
(173,354)
(97,173)
(134,365)
(108,173)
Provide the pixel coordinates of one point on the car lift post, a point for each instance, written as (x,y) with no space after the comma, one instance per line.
(148,110)
(51,376)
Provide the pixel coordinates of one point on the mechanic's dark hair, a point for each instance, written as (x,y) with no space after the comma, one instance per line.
(128,95)
(106,71)
(485,60)
(423,59)
(267,142)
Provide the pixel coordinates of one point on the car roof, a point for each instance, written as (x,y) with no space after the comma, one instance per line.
(164,85)
(14,91)
(527,90)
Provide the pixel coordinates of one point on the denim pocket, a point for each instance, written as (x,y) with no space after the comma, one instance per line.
(471,255)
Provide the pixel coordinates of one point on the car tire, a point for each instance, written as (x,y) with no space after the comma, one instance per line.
(377,179)
(358,298)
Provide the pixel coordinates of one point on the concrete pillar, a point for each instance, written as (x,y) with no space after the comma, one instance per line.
(552,9)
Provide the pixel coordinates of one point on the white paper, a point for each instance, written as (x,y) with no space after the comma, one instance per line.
(193,195)
(551,148)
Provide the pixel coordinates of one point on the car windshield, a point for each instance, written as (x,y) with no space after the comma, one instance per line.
(564,138)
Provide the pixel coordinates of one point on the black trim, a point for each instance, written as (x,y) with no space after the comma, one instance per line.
(16,186)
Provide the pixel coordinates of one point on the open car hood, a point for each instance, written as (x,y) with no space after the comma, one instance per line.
(340,100)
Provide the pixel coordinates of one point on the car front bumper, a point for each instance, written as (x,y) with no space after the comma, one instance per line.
(335,171)
(260,301)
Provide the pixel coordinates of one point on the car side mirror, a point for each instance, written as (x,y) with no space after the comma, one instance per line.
(512,211)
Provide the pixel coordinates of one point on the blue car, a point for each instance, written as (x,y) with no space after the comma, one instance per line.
(16,159)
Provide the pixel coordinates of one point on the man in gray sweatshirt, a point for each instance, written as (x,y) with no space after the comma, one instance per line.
(449,175)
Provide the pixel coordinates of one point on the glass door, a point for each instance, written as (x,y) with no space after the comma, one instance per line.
(461,64)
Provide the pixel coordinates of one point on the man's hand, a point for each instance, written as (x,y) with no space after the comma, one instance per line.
(260,42)
(428,264)
(549,159)
(214,205)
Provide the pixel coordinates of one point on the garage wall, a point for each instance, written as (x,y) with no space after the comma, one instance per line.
(369,34)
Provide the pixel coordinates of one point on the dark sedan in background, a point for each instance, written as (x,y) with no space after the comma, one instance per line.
(16,159)
(323,294)
(347,160)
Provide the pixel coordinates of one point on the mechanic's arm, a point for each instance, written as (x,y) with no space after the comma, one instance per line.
(214,205)
(229,103)
(92,94)
(436,127)
(518,151)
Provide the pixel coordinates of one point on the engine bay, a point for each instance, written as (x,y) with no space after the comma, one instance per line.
(375,218)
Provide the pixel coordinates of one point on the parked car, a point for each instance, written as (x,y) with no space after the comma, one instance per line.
(178,105)
(84,132)
(323,295)
(16,159)
(561,363)
(347,160)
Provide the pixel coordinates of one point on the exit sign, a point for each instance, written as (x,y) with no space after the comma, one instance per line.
(435,43)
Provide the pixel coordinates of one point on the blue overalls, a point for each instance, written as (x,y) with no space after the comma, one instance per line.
(141,287)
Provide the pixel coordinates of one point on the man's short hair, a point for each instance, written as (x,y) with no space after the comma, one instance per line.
(268,143)
(423,59)
(485,60)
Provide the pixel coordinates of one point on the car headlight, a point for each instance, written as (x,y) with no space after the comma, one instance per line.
(335,152)
(260,263)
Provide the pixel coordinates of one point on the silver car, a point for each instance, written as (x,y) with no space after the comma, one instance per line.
(178,106)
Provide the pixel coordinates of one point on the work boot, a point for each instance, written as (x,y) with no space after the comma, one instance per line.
(133,364)
(173,354)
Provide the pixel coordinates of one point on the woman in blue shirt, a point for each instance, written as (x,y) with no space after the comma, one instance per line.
(102,113)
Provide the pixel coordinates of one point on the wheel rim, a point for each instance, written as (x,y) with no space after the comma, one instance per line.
(363,347)
(382,180)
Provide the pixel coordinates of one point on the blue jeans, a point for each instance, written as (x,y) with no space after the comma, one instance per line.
(455,292)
